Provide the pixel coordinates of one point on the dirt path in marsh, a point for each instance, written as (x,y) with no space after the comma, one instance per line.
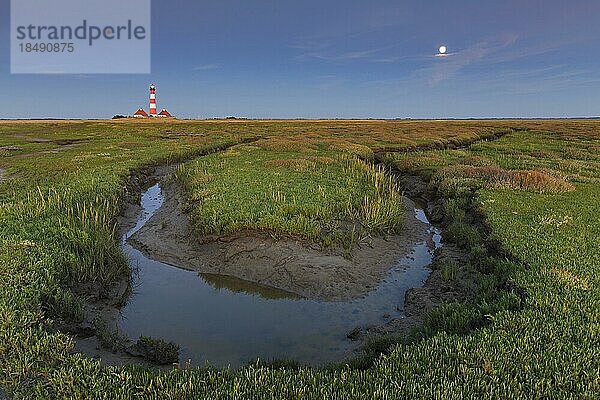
(287,264)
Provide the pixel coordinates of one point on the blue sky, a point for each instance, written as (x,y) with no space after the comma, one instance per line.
(340,59)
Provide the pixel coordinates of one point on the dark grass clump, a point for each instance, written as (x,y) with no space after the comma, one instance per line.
(108,336)
(370,352)
(158,351)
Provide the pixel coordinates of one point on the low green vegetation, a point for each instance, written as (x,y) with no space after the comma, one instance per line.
(291,188)
(538,192)
(530,330)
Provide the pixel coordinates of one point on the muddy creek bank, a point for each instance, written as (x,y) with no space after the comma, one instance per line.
(286,264)
(249,297)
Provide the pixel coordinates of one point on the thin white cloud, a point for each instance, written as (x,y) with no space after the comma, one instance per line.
(328,52)
(348,56)
(206,67)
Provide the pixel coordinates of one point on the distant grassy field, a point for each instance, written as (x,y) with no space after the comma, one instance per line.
(538,188)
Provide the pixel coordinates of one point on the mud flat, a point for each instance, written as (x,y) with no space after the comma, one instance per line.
(287,264)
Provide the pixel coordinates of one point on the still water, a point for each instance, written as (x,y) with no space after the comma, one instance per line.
(229,322)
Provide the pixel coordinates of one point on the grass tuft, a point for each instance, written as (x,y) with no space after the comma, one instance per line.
(158,351)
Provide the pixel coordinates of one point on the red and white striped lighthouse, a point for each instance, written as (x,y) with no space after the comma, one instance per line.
(152,100)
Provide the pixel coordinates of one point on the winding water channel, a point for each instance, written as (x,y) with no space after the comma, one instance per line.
(229,322)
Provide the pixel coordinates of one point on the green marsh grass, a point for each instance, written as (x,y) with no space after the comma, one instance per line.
(545,344)
(280,188)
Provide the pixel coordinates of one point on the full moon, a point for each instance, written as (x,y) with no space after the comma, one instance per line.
(443,49)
